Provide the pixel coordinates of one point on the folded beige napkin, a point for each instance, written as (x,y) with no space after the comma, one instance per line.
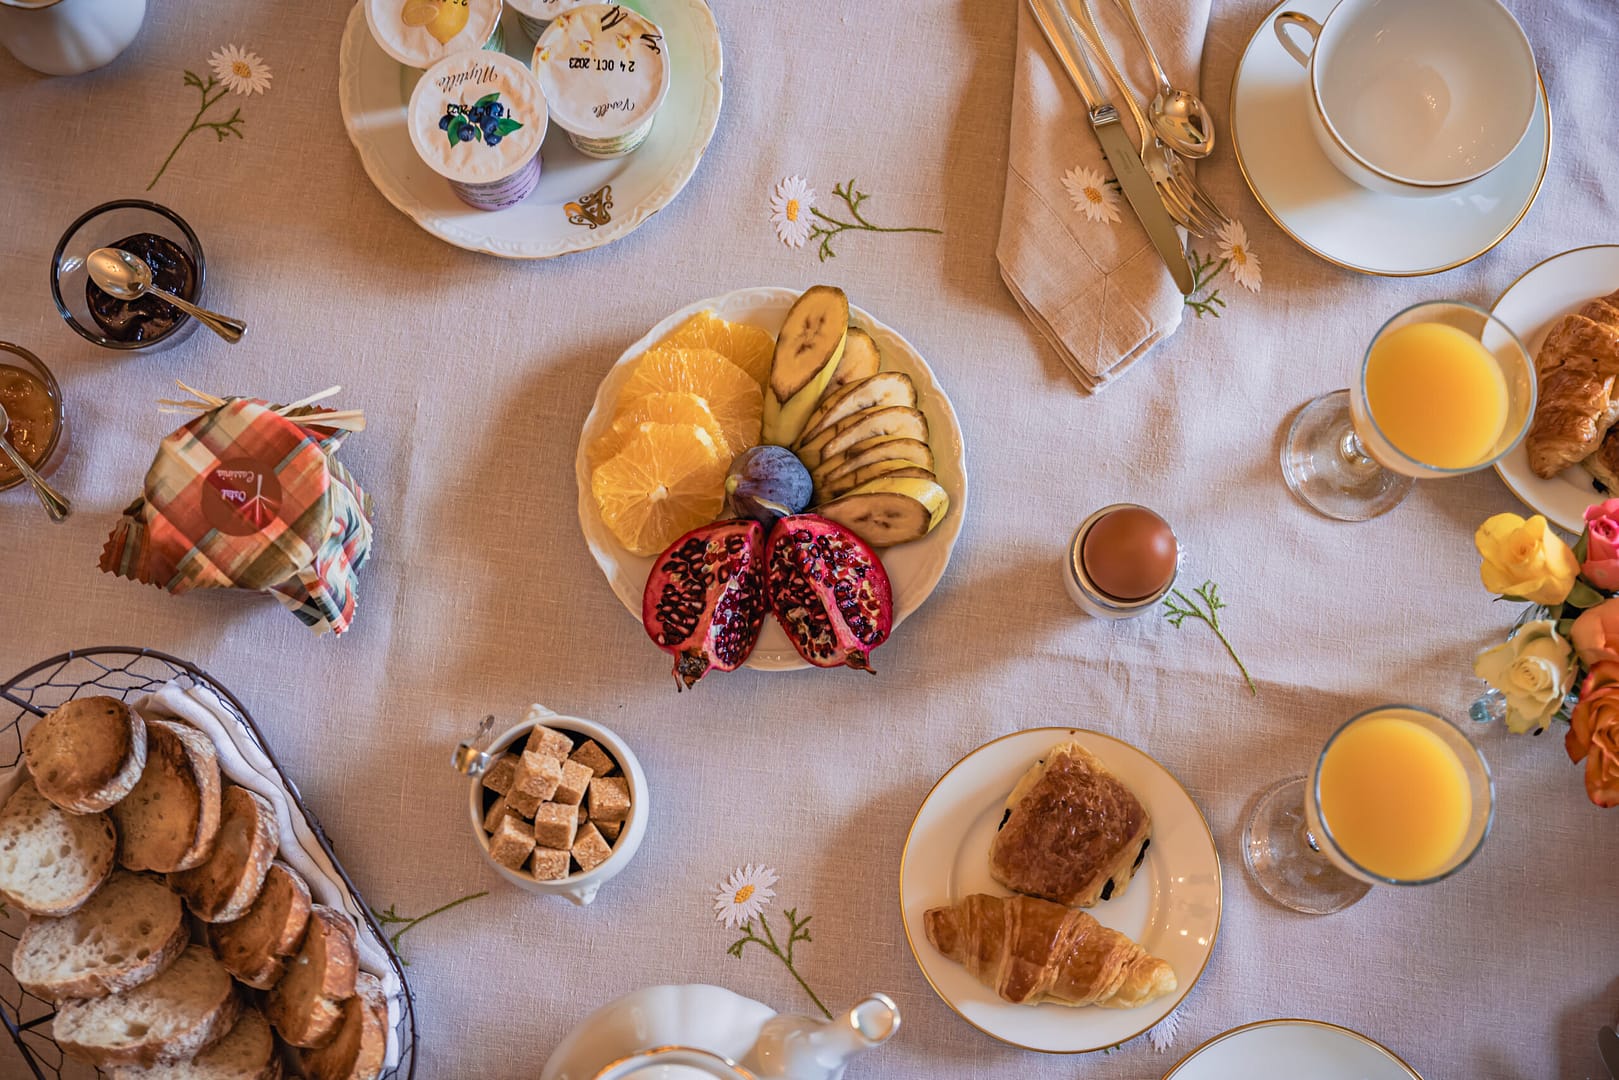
(1095,287)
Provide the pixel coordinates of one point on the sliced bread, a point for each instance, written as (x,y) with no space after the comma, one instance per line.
(247,1053)
(225,885)
(190,1006)
(51,860)
(357,1051)
(132,929)
(86,754)
(168,822)
(254,948)
(306,1006)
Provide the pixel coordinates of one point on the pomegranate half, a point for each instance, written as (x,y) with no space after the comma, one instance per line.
(829,591)
(705,598)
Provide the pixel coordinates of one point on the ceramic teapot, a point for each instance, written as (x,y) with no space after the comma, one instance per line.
(68,37)
(710,1033)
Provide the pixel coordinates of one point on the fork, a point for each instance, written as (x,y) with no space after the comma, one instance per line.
(1182,195)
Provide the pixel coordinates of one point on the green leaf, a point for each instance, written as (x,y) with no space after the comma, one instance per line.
(505,126)
(1583,596)
(487,99)
(457,122)
(1564,626)
(1584,546)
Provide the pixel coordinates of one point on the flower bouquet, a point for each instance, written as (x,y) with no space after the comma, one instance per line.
(1561,661)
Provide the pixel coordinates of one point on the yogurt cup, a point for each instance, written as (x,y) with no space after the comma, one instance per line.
(605,72)
(478,119)
(420,33)
(535,15)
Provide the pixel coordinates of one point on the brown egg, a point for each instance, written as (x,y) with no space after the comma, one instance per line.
(1130,553)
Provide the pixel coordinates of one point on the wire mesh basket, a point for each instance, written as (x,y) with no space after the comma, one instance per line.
(128,673)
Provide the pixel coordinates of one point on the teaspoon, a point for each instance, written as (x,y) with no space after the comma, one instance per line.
(127,277)
(56,505)
(1178,116)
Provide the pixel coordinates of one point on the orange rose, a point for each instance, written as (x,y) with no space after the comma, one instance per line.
(1595,633)
(1593,734)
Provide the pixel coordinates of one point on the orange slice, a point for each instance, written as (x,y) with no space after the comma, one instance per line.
(748,347)
(732,396)
(664,408)
(668,479)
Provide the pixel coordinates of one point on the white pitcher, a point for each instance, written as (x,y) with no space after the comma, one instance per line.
(69,37)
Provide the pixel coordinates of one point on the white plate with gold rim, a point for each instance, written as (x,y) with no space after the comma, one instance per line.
(1289,1049)
(914,569)
(1337,219)
(581,202)
(1544,293)
(1171,907)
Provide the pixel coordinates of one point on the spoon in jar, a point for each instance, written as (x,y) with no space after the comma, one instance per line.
(56,505)
(1179,117)
(127,277)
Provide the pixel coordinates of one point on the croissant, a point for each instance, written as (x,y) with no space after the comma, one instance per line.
(1571,418)
(1030,950)
(1585,339)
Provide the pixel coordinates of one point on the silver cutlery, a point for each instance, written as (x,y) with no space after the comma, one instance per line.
(1144,195)
(56,505)
(1178,116)
(127,277)
(1608,1047)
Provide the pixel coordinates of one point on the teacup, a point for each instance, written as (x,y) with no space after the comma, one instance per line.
(1415,97)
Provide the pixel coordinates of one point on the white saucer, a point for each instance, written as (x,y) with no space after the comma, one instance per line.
(1171,907)
(1337,219)
(1288,1050)
(1546,292)
(581,202)
(914,569)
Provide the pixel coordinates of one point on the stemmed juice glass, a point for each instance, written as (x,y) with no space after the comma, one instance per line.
(1444,388)
(1398,796)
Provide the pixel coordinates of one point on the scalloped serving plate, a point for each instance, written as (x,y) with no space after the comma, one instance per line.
(914,569)
(373,90)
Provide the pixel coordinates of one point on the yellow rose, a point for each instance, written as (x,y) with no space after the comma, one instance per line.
(1534,670)
(1524,559)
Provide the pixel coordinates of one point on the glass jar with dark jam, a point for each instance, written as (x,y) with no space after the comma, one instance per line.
(150,316)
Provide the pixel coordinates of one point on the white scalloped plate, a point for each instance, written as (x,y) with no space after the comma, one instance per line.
(914,569)
(373,89)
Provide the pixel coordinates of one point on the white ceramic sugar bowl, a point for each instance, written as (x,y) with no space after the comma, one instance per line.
(474,757)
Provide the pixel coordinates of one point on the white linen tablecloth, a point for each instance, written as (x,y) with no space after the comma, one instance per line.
(476,375)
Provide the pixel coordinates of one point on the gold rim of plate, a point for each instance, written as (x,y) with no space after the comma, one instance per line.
(1290,1020)
(1219,879)
(1242,166)
(1497,303)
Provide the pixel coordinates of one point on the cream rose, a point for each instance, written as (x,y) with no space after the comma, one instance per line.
(1534,669)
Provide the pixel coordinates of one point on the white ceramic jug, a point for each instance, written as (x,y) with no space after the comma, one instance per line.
(69,37)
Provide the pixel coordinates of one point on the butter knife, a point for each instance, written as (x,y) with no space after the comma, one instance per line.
(1608,1045)
(1137,186)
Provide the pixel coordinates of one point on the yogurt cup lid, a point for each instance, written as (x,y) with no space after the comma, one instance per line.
(604,69)
(544,9)
(477,117)
(420,33)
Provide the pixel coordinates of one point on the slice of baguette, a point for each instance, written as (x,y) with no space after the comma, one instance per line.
(306,1006)
(254,948)
(361,1042)
(51,861)
(169,820)
(87,754)
(225,886)
(130,931)
(189,1007)
(247,1053)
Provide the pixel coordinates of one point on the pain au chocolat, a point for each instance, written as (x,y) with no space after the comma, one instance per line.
(1071,832)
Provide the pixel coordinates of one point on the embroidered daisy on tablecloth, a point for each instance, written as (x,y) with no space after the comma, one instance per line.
(1092,194)
(240,71)
(742,897)
(790,207)
(1240,259)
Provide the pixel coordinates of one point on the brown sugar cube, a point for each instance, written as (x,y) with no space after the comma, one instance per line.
(549,864)
(549,741)
(575,779)
(609,798)
(590,850)
(522,804)
(555,825)
(610,829)
(511,843)
(584,814)
(537,774)
(491,820)
(593,758)
(498,778)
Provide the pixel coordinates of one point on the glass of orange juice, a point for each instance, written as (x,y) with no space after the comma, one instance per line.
(1399,796)
(1444,388)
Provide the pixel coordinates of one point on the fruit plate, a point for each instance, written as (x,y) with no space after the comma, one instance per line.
(1171,907)
(1545,293)
(914,569)
(581,202)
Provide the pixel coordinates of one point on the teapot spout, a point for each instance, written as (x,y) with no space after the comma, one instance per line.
(798,1048)
(874,1020)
